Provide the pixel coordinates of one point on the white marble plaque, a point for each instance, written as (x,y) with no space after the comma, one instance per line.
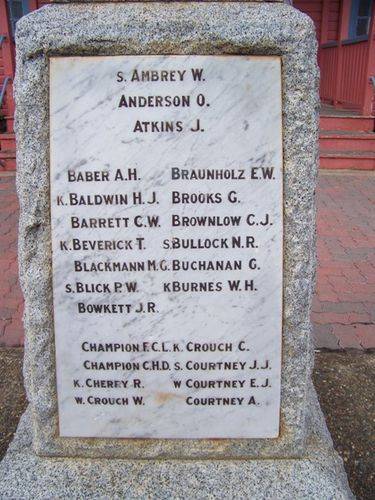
(166,207)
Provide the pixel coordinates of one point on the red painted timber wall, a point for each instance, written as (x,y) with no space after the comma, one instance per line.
(314,9)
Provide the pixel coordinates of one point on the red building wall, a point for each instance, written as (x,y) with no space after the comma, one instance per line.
(313,8)
(6,70)
(345,65)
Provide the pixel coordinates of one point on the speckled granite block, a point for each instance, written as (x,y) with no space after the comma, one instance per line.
(318,476)
(163,28)
(170,1)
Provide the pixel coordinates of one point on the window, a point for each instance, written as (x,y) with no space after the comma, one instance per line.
(17,9)
(360,18)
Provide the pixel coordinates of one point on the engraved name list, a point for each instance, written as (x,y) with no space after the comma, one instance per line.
(166,215)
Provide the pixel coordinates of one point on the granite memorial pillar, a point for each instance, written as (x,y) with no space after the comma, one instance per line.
(166,169)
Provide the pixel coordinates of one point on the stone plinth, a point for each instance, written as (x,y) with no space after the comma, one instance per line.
(161,28)
(319,475)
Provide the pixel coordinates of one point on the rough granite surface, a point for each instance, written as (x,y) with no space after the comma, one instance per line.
(164,28)
(167,1)
(319,476)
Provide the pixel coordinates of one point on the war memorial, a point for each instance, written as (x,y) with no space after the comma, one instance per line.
(166,171)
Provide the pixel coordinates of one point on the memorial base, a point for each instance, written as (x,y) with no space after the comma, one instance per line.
(320,475)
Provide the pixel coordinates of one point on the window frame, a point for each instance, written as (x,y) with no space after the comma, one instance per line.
(12,19)
(354,17)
